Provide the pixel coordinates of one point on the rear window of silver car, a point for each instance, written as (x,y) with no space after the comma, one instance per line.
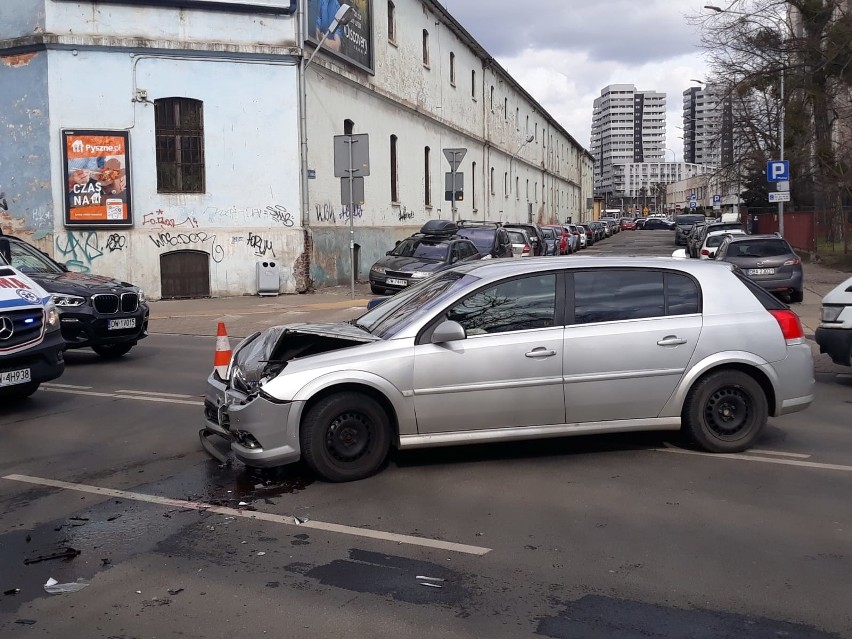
(759,248)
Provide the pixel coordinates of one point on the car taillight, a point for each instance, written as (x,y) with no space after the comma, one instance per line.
(705,252)
(793,262)
(790,325)
(527,249)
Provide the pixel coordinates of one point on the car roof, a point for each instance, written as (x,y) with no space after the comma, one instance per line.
(764,236)
(727,232)
(506,268)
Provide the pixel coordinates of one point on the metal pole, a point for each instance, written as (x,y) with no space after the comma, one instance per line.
(453,194)
(350,142)
(781,118)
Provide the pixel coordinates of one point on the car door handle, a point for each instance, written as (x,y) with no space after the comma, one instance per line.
(671,340)
(540,352)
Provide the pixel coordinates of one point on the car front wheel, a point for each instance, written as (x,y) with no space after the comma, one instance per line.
(345,437)
(796,297)
(19,391)
(725,412)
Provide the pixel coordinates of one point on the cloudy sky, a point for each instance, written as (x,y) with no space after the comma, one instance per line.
(563,52)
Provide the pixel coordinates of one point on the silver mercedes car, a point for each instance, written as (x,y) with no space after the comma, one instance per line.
(505,350)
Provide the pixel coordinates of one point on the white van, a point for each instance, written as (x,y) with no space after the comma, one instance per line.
(31,344)
(834,334)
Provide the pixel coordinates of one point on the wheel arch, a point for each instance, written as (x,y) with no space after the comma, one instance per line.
(747,363)
(364,389)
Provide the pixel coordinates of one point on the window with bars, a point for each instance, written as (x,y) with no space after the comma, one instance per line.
(179,132)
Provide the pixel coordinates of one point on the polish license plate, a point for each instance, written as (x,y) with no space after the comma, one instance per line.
(394,282)
(117,324)
(10,378)
(761,271)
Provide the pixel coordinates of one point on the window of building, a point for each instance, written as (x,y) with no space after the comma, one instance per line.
(473,84)
(394,180)
(536,132)
(473,185)
(517,188)
(425,48)
(517,119)
(527,129)
(515,305)
(491,103)
(348,127)
(391,22)
(427,177)
(491,181)
(179,137)
(452,68)
(528,190)
(505,184)
(506,109)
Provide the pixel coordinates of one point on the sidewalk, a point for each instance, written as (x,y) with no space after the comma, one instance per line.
(249,313)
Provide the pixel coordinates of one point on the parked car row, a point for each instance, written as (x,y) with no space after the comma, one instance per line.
(442,243)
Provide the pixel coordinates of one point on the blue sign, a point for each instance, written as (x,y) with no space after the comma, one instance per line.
(693,196)
(693,204)
(778,171)
(717,199)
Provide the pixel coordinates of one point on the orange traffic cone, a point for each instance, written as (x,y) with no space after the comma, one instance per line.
(223,351)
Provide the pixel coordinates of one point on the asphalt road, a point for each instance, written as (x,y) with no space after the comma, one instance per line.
(618,536)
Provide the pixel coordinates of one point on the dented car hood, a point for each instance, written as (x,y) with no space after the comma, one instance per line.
(265,354)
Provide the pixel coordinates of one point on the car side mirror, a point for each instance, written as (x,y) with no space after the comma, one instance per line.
(389,253)
(6,250)
(448,331)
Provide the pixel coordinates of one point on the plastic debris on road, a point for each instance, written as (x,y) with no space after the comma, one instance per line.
(430,585)
(65,553)
(429,578)
(54,587)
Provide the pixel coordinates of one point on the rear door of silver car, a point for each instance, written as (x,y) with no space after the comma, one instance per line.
(508,372)
(630,336)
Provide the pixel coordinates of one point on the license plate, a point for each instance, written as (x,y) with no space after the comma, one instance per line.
(394,282)
(10,378)
(761,271)
(117,324)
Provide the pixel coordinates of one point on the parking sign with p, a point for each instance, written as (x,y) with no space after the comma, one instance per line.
(777,171)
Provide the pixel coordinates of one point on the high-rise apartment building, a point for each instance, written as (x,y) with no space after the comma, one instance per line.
(628,126)
(707,127)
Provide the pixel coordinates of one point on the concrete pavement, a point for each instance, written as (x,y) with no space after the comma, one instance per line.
(249,313)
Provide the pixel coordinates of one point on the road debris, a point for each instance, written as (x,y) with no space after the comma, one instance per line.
(25,622)
(113,518)
(429,578)
(261,554)
(54,587)
(65,553)
(12,591)
(175,591)
(426,583)
(299,520)
(272,584)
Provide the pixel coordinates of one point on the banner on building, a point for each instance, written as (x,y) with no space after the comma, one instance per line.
(97,178)
(352,42)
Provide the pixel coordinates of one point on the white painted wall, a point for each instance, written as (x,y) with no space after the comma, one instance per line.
(250,210)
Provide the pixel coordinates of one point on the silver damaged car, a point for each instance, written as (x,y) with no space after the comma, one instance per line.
(505,350)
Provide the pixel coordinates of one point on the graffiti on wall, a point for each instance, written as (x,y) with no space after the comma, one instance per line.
(78,249)
(116,242)
(273,213)
(405,214)
(166,239)
(326,213)
(261,246)
(159,218)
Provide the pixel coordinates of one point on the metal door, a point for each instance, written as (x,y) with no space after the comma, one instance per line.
(184,274)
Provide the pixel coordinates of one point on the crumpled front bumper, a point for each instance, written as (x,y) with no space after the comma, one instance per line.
(261,433)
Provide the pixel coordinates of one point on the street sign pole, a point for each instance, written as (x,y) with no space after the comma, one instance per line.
(454,157)
(350,142)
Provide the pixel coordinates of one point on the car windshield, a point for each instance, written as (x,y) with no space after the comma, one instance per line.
(759,248)
(483,239)
(684,220)
(424,249)
(388,318)
(29,260)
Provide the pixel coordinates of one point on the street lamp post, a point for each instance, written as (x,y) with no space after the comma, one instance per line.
(529,139)
(782,31)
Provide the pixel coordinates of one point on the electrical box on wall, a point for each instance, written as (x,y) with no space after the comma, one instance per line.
(267,278)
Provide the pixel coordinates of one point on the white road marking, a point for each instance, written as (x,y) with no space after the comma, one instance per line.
(55,385)
(765,460)
(155,393)
(779,453)
(287,520)
(141,398)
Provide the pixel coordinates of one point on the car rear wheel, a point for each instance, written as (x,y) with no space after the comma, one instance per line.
(345,437)
(377,290)
(725,412)
(796,297)
(112,351)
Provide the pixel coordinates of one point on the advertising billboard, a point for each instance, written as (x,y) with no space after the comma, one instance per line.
(353,42)
(285,7)
(96,165)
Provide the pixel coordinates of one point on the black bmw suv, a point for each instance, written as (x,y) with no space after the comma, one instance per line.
(99,312)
